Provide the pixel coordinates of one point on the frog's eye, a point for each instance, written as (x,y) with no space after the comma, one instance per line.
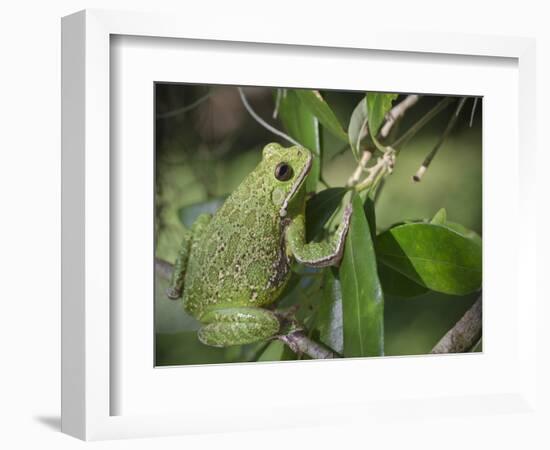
(283,172)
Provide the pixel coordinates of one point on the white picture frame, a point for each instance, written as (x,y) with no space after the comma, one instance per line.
(88,329)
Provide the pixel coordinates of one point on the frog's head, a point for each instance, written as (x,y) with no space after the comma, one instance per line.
(287,169)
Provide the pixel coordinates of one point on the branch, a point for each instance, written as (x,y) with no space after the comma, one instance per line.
(183,109)
(297,341)
(391,118)
(464,335)
(427,161)
(396,112)
(383,166)
(361,167)
(404,138)
(262,122)
(473,111)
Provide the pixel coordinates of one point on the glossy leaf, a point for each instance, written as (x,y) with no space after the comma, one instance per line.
(317,105)
(357,129)
(320,208)
(329,316)
(440,218)
(362,298)
(394,283)
(462,230)
(432,255)
(377,107)
(301,124)
(370,213)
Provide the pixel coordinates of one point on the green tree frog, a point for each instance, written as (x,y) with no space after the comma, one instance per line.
(233,264)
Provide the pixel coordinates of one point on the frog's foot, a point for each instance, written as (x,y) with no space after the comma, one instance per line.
(237,326)
(289,323)
(173,293)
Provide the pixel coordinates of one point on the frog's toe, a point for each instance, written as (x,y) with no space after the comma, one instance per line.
(173,293)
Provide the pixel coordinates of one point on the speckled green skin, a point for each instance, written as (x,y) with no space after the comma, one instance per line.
(233,264)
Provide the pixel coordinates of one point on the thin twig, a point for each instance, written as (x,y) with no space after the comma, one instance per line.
(420,123)
(396,112)
(277,102)
(262,122)
(465,334)
(473,111)
(183,109)
(383,166)
(361,167)
(427,161)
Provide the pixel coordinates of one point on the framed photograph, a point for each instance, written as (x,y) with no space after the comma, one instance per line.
(267,247)
(248,219)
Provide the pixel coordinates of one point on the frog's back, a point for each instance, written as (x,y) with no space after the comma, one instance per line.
(239,259)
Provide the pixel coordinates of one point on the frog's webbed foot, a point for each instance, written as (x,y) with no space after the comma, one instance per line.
(237,326)
(288,320)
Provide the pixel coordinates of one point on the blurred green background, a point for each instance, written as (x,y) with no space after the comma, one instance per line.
(206,143)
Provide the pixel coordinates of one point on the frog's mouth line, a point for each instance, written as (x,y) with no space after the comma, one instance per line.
(299,181)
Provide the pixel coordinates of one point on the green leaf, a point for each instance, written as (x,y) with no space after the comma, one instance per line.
(329,316)
(440,217)
(301,124)
(462,230)
(188,214)
(378,104)
(320,208)
(370,212)
(393,283)
(432,255)
(317,105)
(357,128)
(276,351)
(362,298)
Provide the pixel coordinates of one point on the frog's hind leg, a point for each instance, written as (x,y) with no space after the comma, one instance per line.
(180,266)
(237,326)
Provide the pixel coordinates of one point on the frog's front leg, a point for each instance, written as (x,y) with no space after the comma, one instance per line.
(175,287)
(237,326)
(317,254)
